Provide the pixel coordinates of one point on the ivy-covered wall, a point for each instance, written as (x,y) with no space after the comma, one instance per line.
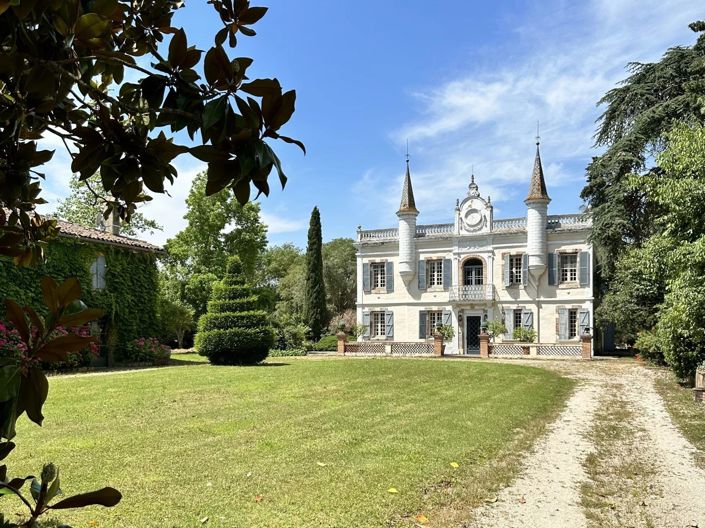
(129,298)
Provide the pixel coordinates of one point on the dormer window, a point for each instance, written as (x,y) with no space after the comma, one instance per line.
(98,273)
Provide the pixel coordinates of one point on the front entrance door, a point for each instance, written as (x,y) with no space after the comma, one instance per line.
(472,334)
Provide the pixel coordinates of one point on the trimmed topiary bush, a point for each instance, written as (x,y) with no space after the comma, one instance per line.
(326,344)
(234,332)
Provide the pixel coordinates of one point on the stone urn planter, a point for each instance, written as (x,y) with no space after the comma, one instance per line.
(699,390)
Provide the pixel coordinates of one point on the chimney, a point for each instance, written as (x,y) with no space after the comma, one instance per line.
(114,222)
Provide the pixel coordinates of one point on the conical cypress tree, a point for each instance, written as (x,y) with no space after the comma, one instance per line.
(315,315)
(234,331)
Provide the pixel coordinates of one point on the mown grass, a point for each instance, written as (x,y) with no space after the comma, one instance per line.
(292,443)
(688,415)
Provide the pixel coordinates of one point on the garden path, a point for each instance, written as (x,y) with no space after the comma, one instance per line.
(612,458)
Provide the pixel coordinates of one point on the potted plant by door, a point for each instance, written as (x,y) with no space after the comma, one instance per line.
(446,332)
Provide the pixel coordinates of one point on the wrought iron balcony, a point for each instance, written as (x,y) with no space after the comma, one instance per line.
(481,292)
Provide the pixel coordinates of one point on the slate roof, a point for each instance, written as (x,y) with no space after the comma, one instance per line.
(408,204)
(537,187)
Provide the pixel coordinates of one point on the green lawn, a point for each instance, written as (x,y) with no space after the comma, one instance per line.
(298,442)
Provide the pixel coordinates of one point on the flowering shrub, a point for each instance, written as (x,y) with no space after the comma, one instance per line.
(11,346)
(147,349)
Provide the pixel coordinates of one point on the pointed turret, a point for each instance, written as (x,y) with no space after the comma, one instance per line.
(537,187)
(536,217)
(407,214)
(408,204)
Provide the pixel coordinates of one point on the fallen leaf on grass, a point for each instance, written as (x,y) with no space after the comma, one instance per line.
(491,499)
(522,500)
(454,464)
(204,520)
(258,498)
(421,519)
(393,490)
(321,464)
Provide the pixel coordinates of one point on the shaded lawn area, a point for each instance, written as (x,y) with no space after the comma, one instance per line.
(299,443)
(687,414)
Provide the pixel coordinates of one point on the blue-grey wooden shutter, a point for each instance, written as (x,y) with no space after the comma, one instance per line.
(422,325)
(584,321)
(584,262)
(447,274)
(366,278)
(563,324)
(366,324)
(389,325)
(557,267)
(551,265)
(524,269)
(509,322)
(447,314)
(389,273)
(527,319)
(422,274)
(505,270)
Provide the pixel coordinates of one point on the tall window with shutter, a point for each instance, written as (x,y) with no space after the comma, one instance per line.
(569,267)
(434,272)
(378,276)
(98,273)
(378,324)
(514,272)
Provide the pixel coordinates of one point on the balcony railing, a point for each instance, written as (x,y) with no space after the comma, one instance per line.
(481,292)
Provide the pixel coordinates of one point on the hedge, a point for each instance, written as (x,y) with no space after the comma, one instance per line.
(229,335)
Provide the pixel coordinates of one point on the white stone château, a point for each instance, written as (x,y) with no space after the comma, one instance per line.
(533,272)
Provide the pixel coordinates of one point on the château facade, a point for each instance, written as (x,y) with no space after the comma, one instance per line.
(533,272)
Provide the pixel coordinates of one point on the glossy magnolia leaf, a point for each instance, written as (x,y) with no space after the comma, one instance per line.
(247,31)
(5,449)
(81,318)
(242,190)
(177,48)
(208,153)
(284,111)
(90,26)
(294,142)
(262,87)
(35,319)
(251,15)
(58,348)
(104,497)
(18,482)
(55,488)
(34,389)
(49,289)
(15,315)
(68,291)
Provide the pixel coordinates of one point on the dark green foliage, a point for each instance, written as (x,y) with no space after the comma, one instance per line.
(229,334)
(113,78)
(340,272)
(129,299)
(326,343)
(633,127)
(315,312)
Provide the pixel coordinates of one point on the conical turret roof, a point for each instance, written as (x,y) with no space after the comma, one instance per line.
(408,204)
(537,187)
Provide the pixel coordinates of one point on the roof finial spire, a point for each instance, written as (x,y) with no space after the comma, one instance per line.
(473,191)
(408,204)
(538,135)
(537,187)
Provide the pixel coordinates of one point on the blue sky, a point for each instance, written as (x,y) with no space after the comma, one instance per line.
(463,81)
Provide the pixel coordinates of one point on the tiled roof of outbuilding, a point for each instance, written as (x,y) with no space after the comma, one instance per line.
(71,230)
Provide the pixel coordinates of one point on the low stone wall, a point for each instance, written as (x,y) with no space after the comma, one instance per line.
(387,348)
(582,350)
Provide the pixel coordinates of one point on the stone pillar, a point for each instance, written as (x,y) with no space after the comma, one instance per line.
(342,336)
(484,345)
(586,346)
(437,344)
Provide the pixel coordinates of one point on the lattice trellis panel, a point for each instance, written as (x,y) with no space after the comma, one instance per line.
(412,349)
(558,350)
(506,350)
(365,348)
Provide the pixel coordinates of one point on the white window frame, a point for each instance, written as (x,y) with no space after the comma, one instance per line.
(378,325)
(378,275)
(569,273)
(433,318)
(434,273)
(515,268)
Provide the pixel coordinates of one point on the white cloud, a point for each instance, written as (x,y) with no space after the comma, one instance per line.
(278,224)
(487,117)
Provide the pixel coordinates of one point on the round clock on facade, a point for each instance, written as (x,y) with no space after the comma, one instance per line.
(473,217)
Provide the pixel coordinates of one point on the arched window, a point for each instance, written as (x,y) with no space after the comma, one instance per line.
(98,273)
(473,272)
